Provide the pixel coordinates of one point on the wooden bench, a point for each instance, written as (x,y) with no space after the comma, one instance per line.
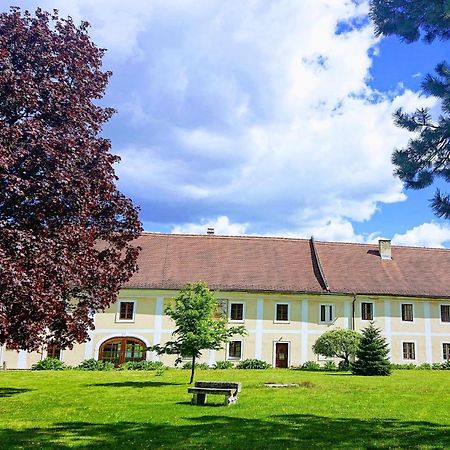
(203,388)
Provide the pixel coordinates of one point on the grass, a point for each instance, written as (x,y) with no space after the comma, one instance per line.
(139,410)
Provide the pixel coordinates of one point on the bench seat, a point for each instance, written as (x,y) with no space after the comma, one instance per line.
(203,388)
(214,391)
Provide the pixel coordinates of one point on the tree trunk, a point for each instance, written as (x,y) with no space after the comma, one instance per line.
(192,370)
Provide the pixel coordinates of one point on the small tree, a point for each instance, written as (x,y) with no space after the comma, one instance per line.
(372,354)
(199,324)
(338,344)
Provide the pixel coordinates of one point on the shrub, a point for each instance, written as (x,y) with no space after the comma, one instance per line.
(252,364)
(311,366)
(49,364)
(93,364)
(338,344)
(141,365)
(329,366)
(223,365)
(409,366)
(201,366)
(424,366)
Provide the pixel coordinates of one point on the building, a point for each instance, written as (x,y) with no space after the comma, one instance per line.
(285,291)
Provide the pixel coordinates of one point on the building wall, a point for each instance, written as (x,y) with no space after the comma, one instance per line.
(426,331)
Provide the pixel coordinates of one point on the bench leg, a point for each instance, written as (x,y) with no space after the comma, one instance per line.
(199,399)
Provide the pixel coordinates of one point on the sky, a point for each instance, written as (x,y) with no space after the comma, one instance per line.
(260,117)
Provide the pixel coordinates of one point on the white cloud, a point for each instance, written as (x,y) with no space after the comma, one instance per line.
(334,230)
(337,230)
(221,225)
(425,235)
(257,113)
(270,116)
(116,24)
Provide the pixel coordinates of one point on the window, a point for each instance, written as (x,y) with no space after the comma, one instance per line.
(235,350)
(53,351)
(445,313)
(407,312)
(282,312)
(237,311)
(446,351)
(409,350)
(326,313)
(366,311)
(126,311)
(122,349)
(111,352)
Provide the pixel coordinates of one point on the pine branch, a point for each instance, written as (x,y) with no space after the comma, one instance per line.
(440,204)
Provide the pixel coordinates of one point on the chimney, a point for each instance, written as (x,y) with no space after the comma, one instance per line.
(384,247)
(210,231)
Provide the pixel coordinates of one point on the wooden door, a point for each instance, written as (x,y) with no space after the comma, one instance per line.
(281,354)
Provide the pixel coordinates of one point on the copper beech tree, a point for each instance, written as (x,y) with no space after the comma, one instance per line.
(66,232)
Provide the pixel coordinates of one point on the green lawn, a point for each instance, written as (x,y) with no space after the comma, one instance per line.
(133,410)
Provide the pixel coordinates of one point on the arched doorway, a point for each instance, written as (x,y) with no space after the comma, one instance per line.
(122,349)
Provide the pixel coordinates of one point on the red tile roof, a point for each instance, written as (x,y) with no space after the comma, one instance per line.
(228,263)
(412,271)
(169,261)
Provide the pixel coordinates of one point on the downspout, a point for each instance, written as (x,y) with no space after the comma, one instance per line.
(353,312)
(1,356)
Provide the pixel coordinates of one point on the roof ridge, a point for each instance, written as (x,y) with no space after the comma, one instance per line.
(224,236)
(281,238)
(374,244)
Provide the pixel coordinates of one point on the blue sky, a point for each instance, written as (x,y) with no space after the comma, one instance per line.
(261,117)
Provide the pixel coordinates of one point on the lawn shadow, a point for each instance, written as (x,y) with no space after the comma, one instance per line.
(9,392)
(220,431)
(208,404)
(137,384)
